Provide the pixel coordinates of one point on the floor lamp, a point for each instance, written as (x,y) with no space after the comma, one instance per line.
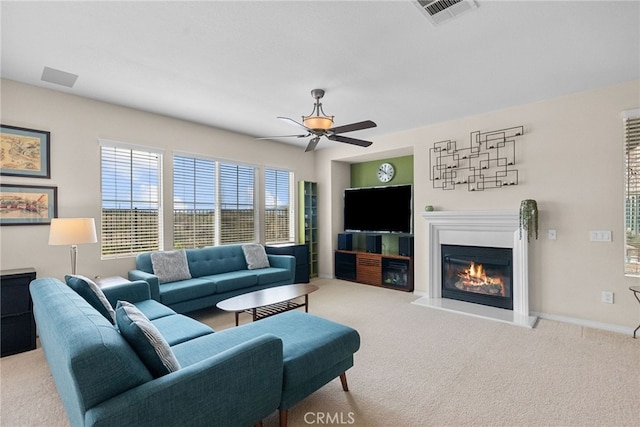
(74,232)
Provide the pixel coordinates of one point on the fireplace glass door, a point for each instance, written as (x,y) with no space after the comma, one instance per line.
(480,275)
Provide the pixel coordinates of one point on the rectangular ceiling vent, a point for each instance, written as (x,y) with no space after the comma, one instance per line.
(58,77)
(438,11)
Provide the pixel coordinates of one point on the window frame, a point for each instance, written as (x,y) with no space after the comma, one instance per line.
(221,171)
(631,129)
(290,207)
(198,199)
(156,242)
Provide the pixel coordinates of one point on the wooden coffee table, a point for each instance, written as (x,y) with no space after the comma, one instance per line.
(268,302)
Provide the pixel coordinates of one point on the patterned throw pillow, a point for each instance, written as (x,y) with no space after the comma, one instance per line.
(170,266)
(92,293)
(256,256)
(145,339)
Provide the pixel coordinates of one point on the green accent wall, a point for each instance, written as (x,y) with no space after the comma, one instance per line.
(366,175)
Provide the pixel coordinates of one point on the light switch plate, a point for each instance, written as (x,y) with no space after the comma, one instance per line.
(600,235)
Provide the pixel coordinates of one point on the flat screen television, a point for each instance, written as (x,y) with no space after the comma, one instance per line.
(378,209)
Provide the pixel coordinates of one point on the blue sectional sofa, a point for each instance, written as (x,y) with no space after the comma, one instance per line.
(235,377)
(214,274)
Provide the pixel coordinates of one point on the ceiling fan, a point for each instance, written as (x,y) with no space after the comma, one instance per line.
(318,124)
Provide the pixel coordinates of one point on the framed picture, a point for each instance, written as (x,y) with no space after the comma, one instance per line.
(27,204)
(24,152)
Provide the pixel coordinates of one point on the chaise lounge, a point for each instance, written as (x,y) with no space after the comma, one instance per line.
(235,377)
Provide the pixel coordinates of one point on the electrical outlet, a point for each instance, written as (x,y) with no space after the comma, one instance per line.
(607,297)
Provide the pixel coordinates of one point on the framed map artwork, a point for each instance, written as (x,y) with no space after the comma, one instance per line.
(24,152)
(27,204)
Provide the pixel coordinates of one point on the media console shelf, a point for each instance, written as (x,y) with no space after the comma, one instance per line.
(389,271)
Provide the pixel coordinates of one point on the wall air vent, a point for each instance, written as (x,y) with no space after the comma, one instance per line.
(438,11)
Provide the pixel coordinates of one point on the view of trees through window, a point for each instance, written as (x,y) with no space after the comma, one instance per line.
(194,207)
(131,208)
(213,202)
(278,208)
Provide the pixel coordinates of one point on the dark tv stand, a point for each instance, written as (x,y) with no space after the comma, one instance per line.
(388,271)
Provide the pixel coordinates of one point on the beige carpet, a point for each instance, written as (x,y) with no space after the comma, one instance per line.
(421,367)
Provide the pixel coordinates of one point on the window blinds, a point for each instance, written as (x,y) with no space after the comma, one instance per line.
(131,202)
(194,202)
(278,212)
(237,216)
(632,192)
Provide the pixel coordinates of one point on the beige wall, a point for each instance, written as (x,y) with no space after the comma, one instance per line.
(76,124)
(571,161)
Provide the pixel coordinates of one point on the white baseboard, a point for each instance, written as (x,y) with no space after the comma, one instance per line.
(587,323)
(566,319)
(572,320)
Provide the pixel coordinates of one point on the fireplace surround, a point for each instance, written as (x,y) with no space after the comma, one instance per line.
(491,229)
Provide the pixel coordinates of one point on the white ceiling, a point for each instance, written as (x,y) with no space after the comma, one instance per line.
(238,65)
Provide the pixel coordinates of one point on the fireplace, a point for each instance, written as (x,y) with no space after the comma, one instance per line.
(478,229)
(480,275)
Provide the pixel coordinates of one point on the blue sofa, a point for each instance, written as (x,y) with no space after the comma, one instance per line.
(217,273)
(235,377)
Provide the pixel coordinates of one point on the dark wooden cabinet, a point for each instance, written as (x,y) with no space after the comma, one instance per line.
(389,271)
(18,327)
(301,252)
(345,265)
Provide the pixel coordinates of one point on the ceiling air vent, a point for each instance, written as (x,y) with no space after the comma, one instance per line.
(439,11)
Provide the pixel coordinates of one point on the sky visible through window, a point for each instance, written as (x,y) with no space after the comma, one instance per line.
(140,179)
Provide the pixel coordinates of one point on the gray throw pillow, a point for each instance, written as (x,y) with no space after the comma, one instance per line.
(145,339)
(256,256)
(170,266)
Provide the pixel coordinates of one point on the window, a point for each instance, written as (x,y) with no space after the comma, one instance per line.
(632,192)
(278,221)
(213,203)
(194,207)
(237,214)
(131,201)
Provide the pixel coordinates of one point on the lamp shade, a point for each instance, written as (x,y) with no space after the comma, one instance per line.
(72,231)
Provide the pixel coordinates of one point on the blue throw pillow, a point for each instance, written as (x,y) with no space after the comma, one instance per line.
(145,339)
(92,293)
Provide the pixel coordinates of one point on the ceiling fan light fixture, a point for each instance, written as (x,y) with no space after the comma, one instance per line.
(318,122)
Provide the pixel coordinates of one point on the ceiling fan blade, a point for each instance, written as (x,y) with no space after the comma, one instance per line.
(294,123)
(360,142)
(285,136)
(353,126)
(312,144)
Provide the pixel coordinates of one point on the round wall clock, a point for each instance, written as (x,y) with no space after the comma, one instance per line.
(386,172)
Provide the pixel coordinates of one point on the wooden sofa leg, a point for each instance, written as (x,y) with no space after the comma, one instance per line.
(343,380)
(283,417)
(258,424)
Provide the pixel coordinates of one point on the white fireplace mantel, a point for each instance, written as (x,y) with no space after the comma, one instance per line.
(479,228)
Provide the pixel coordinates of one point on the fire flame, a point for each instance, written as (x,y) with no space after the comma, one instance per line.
(476,276)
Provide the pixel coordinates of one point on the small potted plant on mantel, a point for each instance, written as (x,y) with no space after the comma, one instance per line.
(529,218)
